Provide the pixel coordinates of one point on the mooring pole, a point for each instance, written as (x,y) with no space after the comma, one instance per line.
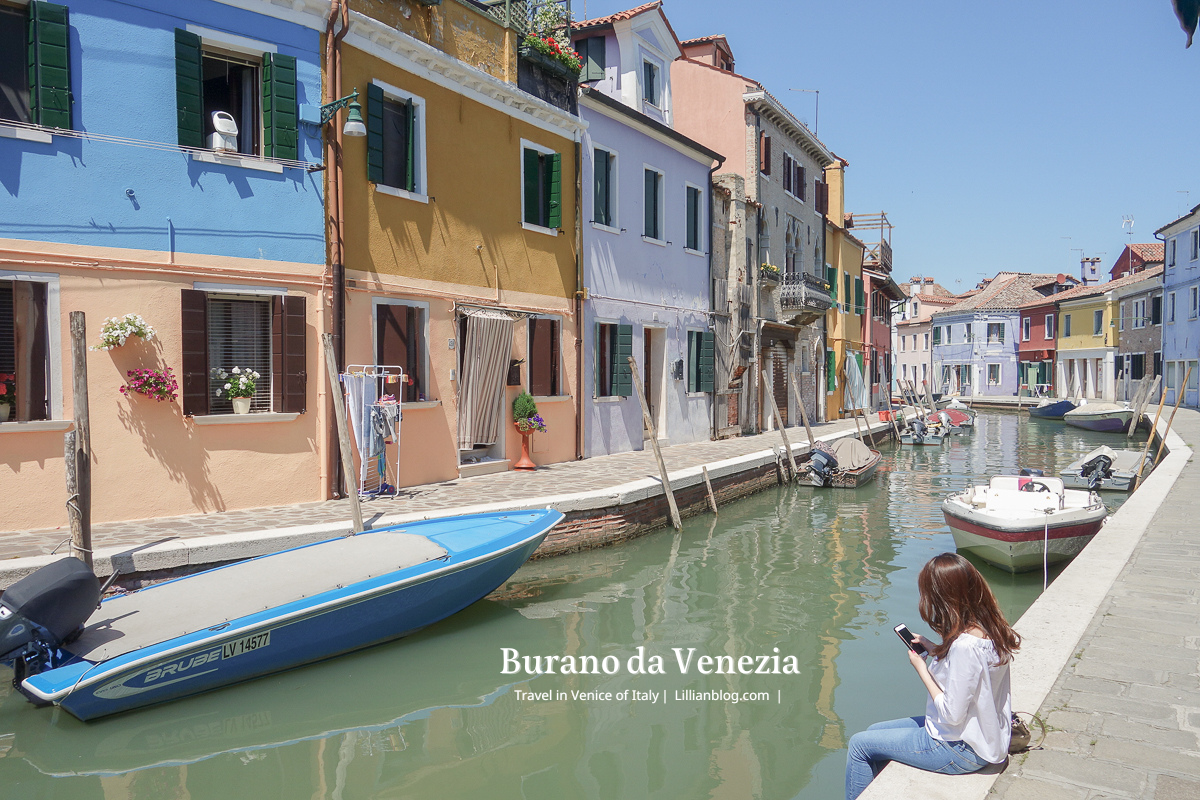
(676,522)
(78,447)
(339,413)
(712,498)
(803,414)
(1149,439)
(1170,420)
(779,422)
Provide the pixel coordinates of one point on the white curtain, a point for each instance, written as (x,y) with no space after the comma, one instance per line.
(856,389)
(485,357)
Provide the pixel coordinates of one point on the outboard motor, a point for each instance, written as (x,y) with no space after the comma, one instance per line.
(821,466)
(42,611)
(1095,470)
(919,430)
(1026,472)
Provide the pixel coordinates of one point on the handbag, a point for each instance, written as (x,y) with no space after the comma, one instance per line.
(1021,735)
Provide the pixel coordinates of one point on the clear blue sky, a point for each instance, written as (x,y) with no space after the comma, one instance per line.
(988,133)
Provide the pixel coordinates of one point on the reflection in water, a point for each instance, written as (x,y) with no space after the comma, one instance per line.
(821,575)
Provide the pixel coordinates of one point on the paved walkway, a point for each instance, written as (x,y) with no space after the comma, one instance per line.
(602,472)
(1125,713)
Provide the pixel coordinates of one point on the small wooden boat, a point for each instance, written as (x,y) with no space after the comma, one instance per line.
(845,464)
(252,618)
(1051,409)
(947,422)
(920,433)
(1017,522)
(1105,469)
(1101,416)
(960,418)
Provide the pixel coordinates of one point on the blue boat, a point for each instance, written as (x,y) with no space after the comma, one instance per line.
(1052,409)
(252,618)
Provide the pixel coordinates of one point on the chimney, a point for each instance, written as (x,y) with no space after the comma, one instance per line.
(1089,273)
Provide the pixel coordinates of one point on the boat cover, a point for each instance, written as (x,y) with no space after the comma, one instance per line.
(851,454)
(162,612)
(1098,407)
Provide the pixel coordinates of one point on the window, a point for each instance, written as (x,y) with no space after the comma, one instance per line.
(604,193)
(993,374)
(253,84)
(1066,324)
(794,178)
(258,329)
(1137,366)
(764,153)
(937,335)
(695,218)
(1195,295)
(541,186)
(860,303)
(614,345)
(903,339)
(1169,378)
(400,341)
(1171,307)
(700,361)
(395,140)
(1156,310)
(904,371)
(1195,244)
(832,281)
(651,89)
(35,78)
(544,359)
(591,53)
(1025,329)
(652,227)
(1171,254)
(1139,314)
(1097,322)
(1158,363)
(25,373)
(926,347)
(1049,332)
(995,333)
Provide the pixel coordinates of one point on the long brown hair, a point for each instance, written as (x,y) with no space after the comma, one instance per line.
(955,597)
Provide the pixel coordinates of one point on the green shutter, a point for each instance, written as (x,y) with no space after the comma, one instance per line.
(410,157)
(831,279)
(622,378)
(600,177)
(554,191)
(533,210)
(49,65)
(280,131)
(847,289)
(859,300)
(830,370)
(374,133)
(707,361)
(650,223)
(188,94)
(593,58)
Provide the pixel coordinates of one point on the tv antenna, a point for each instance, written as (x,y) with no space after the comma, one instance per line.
(1127,222)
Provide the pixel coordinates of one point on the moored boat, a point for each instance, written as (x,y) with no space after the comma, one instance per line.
(845,464)
(1101,416)
(1018,523)
(1105,469)
(1052,409)
(255,617)
(920,433)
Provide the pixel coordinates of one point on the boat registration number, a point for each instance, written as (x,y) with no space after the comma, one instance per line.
(246,644)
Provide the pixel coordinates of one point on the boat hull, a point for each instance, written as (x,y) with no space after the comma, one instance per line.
(1104,422)
(1053,410)
(278,639)
(1018,546)
(852,479)
(930,438)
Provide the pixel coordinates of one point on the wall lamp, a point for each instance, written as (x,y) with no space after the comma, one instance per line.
(354,122)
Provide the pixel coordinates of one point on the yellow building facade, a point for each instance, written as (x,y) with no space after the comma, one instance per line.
(1087,344)
(461,240)
(844,320)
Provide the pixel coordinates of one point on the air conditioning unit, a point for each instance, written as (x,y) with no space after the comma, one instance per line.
(224,138)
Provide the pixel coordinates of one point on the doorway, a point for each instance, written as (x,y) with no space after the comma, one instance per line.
(653,360)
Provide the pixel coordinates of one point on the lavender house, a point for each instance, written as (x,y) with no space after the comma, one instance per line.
(975,341)
(646,200)
(1181,307)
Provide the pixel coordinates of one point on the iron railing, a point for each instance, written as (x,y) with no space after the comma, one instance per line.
(804,290)
(519,14)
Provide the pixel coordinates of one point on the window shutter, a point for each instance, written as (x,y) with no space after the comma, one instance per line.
(374,133)
(410,157)
(847,289)
(787,174)
(49,65)
(764,154)
(289,369)
(543,357)
(830,370)
(532,206)
(707,361)
(801,182)
(650,224)
(194,378)
(831,279)
(622,379)
(592,53)
(600,186)
(188,91)
(554,191)
(280,134)
(859,300)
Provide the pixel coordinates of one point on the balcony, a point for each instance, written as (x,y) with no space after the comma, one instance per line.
(768,277)
(804,295)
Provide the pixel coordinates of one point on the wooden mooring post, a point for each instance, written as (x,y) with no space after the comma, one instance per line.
(712,498)
(339,414)
(1170,421)
(779,421)
(1149,439)
(77,447)
(676,522)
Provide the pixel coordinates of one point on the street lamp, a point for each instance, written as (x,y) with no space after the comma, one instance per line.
(354,122)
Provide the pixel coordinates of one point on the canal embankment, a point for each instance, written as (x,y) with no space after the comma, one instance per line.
(606,500)
(1109,659)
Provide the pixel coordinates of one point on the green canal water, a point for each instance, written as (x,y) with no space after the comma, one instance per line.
(820,575)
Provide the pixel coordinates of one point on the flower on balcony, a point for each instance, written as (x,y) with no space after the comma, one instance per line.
(116,330)
(770,268)
(548,36)
(549,46)
(152,383)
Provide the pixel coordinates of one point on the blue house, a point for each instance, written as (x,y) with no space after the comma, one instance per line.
(646,200)
(1181,307)
(153,162)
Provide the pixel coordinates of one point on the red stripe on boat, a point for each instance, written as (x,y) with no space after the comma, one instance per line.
(1028,535)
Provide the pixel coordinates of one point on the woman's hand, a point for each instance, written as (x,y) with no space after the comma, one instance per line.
(921,640)
(918,662)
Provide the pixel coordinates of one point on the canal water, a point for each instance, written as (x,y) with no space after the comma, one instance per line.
(814,578)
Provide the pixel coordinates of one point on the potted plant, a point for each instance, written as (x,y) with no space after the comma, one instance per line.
(238,385)
(152,383)
(116,330)
(547,44)
(769,273)
(8,395)
(528,420)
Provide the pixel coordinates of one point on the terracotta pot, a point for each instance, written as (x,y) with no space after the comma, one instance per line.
(241,405)
(525,463)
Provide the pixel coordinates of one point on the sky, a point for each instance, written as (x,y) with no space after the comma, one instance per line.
(1003,136)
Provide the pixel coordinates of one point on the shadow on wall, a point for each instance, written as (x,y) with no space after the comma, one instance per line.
(163,431)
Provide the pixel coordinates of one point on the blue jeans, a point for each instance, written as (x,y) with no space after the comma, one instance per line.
(907,741)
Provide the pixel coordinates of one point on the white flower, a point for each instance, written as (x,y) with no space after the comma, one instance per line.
(228,386)
(237,370)
(217,393)
(256,375)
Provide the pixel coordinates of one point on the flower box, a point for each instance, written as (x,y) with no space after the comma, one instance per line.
(548,64)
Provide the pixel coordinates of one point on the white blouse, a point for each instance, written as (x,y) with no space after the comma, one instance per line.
(976,704)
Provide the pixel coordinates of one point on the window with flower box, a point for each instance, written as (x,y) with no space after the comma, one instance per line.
(260,330)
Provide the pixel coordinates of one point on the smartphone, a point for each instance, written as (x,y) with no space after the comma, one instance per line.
(909,640)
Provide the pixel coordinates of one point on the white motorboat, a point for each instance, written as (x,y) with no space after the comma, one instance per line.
(1019,522)
(1101,416)
(1105,468)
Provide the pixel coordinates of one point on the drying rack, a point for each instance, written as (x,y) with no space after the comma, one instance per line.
(377,474)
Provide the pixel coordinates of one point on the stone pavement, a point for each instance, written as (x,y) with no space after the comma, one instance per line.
(1125,713)
(601,472)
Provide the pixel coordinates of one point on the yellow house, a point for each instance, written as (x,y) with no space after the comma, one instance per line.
(844,320)
(1087,342)
(460,241)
